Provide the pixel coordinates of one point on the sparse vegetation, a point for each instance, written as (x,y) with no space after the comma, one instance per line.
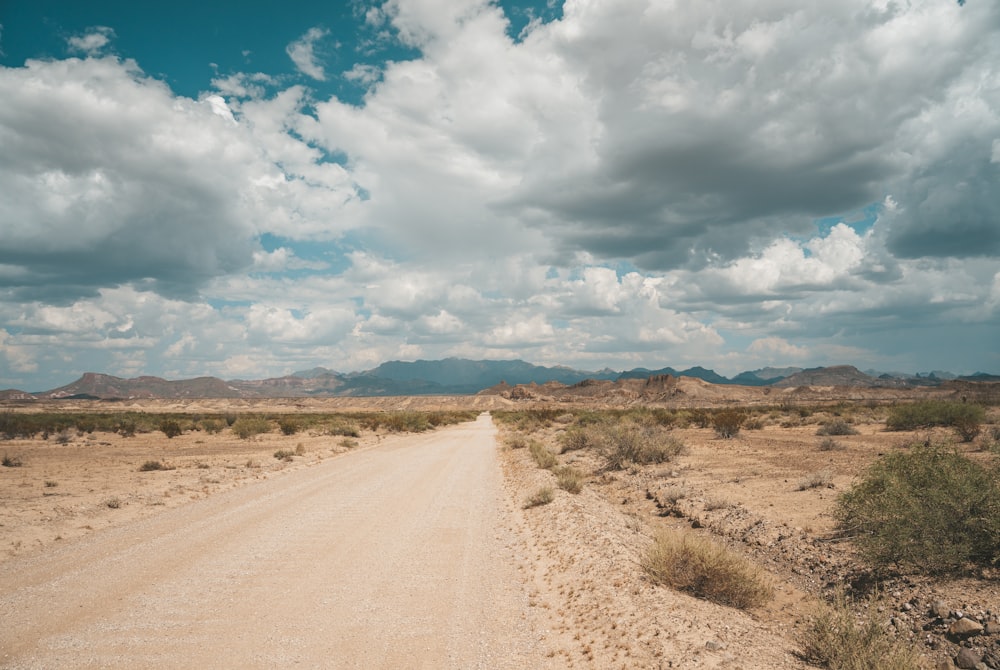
(150,466)
(569,479)
(628,442)
(543,458)
(838,640)
(171,428)
(815,480)
(965,418)
(246,427)
(288,425)
(284,455)
(929,509)
(348,443)
(836,427)
(706,569)
(542,496)
(11,461)
(830,444)
(113,503)
(727,422)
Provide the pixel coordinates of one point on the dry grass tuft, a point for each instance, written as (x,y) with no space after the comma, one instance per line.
(569,479)
(838,640)
(544,458)
(706,570)
(815,480)
(542,496)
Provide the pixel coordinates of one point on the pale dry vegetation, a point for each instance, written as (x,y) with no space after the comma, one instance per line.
(744,501)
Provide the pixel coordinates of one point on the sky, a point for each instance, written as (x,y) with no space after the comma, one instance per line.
(246,190)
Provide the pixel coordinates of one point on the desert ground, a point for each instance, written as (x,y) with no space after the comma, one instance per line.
(564,579)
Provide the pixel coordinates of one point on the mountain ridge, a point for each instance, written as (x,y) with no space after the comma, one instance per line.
(456,376)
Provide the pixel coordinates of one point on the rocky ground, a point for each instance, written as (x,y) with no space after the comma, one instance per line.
(767,493)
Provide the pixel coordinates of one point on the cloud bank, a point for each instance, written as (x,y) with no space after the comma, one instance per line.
(634,183)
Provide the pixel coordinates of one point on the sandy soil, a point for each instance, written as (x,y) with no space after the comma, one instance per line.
(417,551)
(391,556)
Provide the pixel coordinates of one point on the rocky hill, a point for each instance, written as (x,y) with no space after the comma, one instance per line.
(455,376)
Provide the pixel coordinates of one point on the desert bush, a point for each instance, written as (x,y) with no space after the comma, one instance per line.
(706,570)
(126,427)
(113,502)
(516,441)
(753,423)
(11,461)
(838,640)
(829,444)
(64,437)
(288,426)
(837,427)
(300,449)
(246,427)
(170,427)
(542,496)
(727,422)
(928,413)
(577,437)
(928,509)
(342,428)
(348,443)
(284,455)
(626,442)
(150,466)
(569,479)
(86,424)
(544,458)
(815,480)
(51,484)
(212,426)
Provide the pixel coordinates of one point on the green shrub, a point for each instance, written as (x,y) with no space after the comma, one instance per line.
(212,426)
(929,509)
(569,479)
(727,422)
(836,427)
(706,570)
(838,640)
(246,427)
(288,426)
(170,427)
(542,496)
(928,413)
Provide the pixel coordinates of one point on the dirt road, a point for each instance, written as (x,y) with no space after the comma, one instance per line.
(392,557)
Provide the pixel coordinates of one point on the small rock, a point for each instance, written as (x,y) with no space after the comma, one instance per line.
(991,628)
(965,628)
(907,607)
(715,645)
(946,664)
(939,609)
(967,659)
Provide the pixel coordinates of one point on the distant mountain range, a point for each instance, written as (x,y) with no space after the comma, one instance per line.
(455,376)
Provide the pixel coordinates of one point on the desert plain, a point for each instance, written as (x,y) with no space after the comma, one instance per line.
(572,577)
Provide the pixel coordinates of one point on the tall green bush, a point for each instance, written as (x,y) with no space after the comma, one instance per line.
(929,509)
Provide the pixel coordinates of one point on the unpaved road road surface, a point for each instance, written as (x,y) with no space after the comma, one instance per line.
(391,557)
